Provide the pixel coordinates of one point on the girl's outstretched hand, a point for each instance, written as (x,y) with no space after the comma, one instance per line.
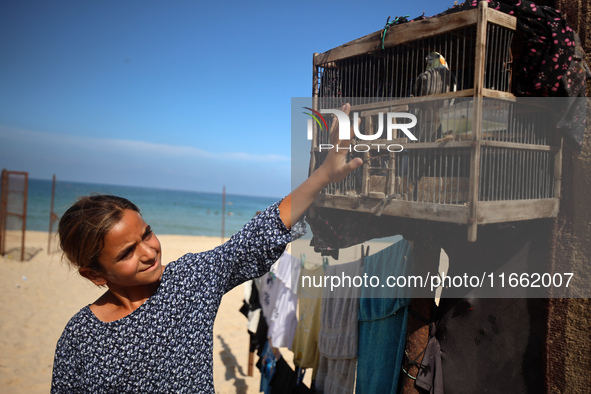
(334,169)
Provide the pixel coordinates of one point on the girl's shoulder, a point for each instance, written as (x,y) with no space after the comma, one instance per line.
(79,326)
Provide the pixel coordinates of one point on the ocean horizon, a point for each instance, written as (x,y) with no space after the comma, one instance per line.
(166,211)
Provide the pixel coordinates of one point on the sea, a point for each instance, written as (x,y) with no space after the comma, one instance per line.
(166,211)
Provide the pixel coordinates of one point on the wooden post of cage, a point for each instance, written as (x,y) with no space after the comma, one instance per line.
(558,171)
(391,176)
(477,121)
(366,162)
(311,210)
(314,141)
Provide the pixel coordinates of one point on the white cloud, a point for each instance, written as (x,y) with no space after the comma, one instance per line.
(27,137)
(141,163)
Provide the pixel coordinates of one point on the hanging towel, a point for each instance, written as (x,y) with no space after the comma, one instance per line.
(338,331)
(383,313)
(305,341)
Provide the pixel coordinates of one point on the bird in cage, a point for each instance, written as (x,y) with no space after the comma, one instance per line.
(437,77)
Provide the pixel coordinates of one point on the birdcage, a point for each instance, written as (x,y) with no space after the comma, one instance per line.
(479,155)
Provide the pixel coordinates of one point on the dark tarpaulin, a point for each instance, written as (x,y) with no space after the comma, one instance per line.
(491,344)
(549,61)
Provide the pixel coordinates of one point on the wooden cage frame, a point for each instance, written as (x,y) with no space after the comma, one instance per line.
(474,212)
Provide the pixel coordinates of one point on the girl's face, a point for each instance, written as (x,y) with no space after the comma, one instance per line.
(131,255)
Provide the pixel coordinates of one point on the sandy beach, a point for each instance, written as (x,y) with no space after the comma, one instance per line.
(42,293)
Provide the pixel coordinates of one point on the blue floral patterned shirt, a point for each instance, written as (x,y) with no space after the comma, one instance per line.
(166,344)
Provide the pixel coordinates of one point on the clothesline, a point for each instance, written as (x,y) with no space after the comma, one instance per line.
(335,333)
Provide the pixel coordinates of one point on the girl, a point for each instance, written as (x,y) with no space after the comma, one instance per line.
(152,330)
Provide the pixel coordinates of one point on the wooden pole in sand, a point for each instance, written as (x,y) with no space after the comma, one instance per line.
(223,211)
(52,216)
(23,215)
(3,209)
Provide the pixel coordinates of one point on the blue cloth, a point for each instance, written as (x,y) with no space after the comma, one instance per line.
(383,312)
(269,362)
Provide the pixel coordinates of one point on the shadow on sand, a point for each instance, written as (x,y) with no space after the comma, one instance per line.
(29,253)
(233,368)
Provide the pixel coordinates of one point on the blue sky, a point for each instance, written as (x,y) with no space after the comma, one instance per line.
(188,95)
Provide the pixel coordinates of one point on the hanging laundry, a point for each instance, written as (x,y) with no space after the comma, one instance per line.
(305,341)
(279,300)
(267,365)
(285,380)
(252,306)
(383,313)
(337,341)
(430,377)
(256,325)
(268,286)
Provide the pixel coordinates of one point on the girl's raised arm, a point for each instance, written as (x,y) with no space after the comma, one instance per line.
(334,169)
